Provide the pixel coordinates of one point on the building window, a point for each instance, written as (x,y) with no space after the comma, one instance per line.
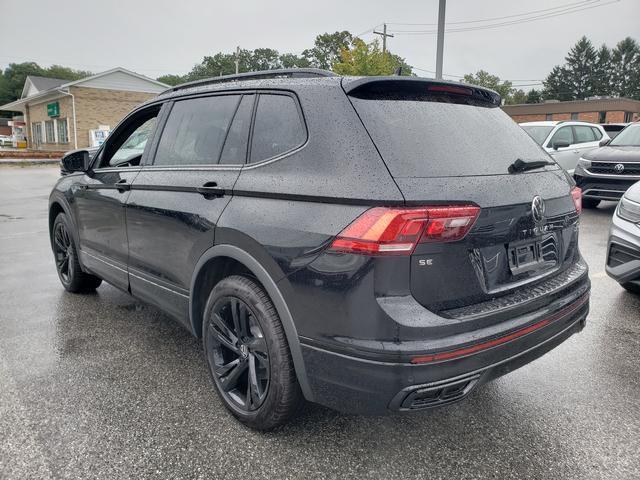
(602,117)
(628,117)
(574,116)
(63,131)
(548,116)
(49,132)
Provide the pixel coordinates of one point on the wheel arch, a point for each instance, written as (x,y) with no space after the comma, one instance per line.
(222,260)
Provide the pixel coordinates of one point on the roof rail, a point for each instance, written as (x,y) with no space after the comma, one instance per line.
(264,74)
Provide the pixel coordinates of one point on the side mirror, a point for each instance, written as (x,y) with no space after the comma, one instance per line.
(604,142)
(75,161)
(560,144)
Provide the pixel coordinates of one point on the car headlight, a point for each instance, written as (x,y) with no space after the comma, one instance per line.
(582,165)
(629,210)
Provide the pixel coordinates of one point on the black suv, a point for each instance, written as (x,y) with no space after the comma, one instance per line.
(370,244)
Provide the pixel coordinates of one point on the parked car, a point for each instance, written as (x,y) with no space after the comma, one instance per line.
(607,172)
(623,249)
(613,129)
(6,141)
(371,244)
(566,141)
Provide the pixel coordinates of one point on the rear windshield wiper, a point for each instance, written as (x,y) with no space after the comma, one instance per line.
(522,166)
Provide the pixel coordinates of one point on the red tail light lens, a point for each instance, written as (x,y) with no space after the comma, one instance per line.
(576,194)
(450,89)
(397,231)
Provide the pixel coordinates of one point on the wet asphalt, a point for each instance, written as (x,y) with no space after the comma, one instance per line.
(102,386)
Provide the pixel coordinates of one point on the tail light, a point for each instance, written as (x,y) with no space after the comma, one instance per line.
(397,231)
(576,194)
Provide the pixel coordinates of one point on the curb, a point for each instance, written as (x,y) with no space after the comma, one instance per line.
(25,162)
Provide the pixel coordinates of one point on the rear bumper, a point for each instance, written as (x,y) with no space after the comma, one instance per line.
(623,251)
(365,386)
(603,188)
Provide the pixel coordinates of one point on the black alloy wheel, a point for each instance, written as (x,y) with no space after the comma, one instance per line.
(237,353)
(63,252)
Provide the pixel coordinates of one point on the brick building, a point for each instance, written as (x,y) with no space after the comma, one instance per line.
(601,110)
(64,115)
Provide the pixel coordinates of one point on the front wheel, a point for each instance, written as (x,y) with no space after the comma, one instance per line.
(71,276)
(248,356)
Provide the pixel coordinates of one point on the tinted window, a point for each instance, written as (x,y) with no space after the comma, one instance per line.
(583,134)
(433,139)
(235,146)
(564,134)
(278,127)
(195,131)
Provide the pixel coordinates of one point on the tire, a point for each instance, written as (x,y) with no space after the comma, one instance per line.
(248,356)
(590,202)
(65,254)
(631,287)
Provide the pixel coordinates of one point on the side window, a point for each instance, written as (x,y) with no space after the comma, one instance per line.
(597,133)
(126,145)
(564,134)
(195,131)
(583,134)
(235,146)
(278,127)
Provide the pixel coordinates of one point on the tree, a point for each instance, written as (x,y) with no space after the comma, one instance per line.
(580,67)
(517,97)
(328,49)
(65,73)
(13,78)
(602,74)
(485,79)
(291,60)
(625,62)
(556,85)
(534,96)
(367,59)
(171,79)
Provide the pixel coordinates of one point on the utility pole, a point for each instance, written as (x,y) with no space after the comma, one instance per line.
(440,45)
(237,59)
(384,36)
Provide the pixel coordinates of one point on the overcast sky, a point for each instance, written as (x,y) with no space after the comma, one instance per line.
(154,37)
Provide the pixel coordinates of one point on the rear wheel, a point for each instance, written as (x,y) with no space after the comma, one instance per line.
(590,202)
(71,276)
(248,355)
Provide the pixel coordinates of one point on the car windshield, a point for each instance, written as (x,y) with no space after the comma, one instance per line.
(629,137)
(538,133)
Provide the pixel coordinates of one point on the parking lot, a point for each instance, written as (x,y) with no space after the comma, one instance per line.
(102,386)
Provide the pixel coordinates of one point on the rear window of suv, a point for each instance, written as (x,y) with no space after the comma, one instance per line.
(418,138)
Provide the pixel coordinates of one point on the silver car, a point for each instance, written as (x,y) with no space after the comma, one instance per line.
(566,141)
(623,249)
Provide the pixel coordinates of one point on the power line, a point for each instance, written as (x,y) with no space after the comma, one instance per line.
(504,24)
(582,2)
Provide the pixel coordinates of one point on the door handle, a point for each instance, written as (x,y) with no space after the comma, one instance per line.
(210,190)
(122,185)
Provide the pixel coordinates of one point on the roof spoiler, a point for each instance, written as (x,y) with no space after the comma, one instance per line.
(372,87)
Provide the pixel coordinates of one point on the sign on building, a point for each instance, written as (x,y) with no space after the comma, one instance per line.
(53,109)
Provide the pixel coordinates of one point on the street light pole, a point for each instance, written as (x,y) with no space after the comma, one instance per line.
(440,45)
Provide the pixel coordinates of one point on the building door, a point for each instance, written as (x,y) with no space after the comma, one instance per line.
(36,131)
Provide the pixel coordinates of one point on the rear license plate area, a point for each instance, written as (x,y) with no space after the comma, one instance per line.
(525,256)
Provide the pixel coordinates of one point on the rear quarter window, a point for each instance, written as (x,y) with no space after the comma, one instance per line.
(278,127)
(436,139)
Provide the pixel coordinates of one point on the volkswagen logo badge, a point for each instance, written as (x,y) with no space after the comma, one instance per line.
(537,209)
(618,168)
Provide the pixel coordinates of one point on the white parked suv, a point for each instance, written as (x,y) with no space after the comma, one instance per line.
(566,141)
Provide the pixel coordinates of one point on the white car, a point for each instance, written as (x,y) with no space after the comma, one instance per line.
(566,141)
(6,141)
